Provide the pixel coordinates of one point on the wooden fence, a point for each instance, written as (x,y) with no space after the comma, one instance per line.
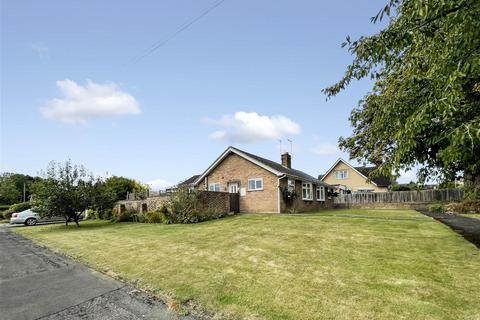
(423,196)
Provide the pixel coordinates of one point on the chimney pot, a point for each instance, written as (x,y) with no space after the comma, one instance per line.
(287,160)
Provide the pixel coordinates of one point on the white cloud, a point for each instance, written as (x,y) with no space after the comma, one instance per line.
(248,127)
(159,184)
(325,149)
(41,50)
(81,103)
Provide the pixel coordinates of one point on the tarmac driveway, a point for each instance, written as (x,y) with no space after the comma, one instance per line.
(36,283)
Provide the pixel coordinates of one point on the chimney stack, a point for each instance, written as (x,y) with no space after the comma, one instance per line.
(287,160)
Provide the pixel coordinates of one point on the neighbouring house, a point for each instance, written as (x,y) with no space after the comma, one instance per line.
(187,183)
(264,185)
(346,178)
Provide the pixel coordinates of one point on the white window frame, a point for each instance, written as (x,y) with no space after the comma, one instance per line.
(255,184)
(343,176)
(320,192)
(309,194)
(214,187)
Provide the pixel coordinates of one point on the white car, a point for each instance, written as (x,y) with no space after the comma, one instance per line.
(26,217)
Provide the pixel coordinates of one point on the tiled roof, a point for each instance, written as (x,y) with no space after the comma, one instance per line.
(381,181)
(280,168)
(189,180)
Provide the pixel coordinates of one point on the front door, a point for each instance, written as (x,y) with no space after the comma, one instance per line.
(233,187)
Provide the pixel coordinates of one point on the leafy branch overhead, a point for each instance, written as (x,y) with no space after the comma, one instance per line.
(424,108)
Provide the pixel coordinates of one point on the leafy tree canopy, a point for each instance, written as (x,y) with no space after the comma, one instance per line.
(11,187)
(65,190)
(121,186)
(424,108)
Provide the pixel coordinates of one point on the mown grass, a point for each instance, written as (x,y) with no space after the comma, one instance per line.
(349,264)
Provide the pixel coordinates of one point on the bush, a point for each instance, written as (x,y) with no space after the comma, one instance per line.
(436,207)
(466,206)
(154,217)
(17,207)
(124,216)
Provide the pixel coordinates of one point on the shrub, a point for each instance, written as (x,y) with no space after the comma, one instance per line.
(154,217)
(184,206)
(124,216)
(436,207)
(17,207)
(466,206)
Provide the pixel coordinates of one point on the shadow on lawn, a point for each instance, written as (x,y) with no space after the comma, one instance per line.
(83,226)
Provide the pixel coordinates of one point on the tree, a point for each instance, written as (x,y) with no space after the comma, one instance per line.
(12,187)
(66,190)
(103,198)
(424,108)
(121,186)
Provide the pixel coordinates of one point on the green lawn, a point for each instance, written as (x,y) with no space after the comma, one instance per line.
(348,264)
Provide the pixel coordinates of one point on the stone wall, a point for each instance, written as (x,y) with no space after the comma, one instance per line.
(148,204)
(207,201)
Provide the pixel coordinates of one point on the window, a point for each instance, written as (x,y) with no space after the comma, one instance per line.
(307,193)
(341,174)
(320,193)
(255,184)
(291,184)
(214,187)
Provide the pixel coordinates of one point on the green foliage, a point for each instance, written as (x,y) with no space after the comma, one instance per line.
(183,207)
(124,216)
(17,207)
(121,186)
(66,190)
(436,207)
(154,217)
(11,187)
(103,198)
(407,187)
(466,206)
(424,108)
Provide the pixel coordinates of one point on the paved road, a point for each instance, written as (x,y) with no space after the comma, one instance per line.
(36,283)
(469,228)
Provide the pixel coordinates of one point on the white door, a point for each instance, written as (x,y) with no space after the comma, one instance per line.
(233,187)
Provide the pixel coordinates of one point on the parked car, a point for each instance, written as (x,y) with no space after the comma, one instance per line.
(26,217)
(30,218)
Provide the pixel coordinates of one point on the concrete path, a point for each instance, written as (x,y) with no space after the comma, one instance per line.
(469,228)
(36,283)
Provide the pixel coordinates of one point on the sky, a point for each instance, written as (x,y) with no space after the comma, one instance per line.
(112,85)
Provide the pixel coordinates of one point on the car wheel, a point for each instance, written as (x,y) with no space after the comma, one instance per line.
(30,222)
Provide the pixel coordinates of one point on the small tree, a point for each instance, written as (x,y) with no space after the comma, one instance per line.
(103,198)
(66,190)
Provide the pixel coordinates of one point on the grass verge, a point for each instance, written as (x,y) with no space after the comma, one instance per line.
(345,264)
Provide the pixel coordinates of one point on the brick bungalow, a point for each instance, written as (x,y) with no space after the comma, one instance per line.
(262,183)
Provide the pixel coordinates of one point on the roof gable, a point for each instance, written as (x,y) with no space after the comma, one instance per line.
(269,165)
(348,165)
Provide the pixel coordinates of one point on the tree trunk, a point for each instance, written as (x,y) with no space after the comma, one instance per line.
(76,220)
(472,184)
(66,221)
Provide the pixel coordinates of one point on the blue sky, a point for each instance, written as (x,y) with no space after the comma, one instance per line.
(246,74)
